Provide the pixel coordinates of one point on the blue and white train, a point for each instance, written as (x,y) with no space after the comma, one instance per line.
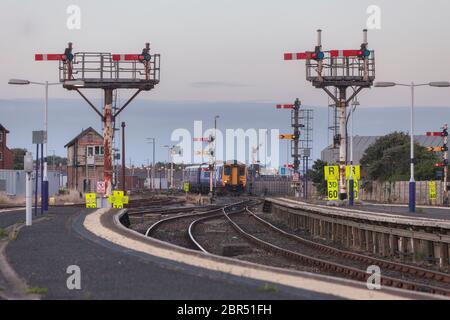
(229,177)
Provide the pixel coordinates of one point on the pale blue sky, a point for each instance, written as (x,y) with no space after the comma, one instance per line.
(237,42)
(222,51)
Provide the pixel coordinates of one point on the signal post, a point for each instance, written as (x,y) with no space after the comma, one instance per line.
(295,138)
(109,72)
(341,69)
(444,163)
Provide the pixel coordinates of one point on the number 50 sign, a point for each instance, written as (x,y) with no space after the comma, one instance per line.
(332,190)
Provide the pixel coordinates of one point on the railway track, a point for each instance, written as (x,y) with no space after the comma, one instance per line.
(164,210)
(182,230)
(344,263)
(142,204)
(179,229)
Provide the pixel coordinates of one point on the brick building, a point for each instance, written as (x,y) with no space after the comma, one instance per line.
(6,156)
(85,161)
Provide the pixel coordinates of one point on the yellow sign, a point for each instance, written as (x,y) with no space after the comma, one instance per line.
(287,136)
(91,200)
(118,199)
(355,189)
(331,173)
(186,187)
(356,172)
(332,190)
(432,190)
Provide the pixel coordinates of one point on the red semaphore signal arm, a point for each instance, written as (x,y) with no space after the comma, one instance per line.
(49,57)
(333,54)
(127,57)
(285,106)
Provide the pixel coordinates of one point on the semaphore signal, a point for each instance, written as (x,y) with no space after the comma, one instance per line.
(341,69)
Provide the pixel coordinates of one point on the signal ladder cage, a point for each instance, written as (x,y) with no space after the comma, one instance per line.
(98,70)
(305,145)
(340,71)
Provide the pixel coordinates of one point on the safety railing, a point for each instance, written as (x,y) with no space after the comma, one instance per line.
(100,66)
(333,68)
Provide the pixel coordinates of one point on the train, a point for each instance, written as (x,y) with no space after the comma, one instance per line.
(230,178)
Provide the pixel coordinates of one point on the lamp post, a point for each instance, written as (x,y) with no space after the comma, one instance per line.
(412,86)
(350,180)
(46,84)
(213,173)
(152,140)
(170,169)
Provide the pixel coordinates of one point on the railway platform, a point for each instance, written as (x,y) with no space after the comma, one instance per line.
(41,254)
(116,263)
(421,238)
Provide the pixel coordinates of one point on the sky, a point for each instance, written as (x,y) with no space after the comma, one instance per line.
(221,53)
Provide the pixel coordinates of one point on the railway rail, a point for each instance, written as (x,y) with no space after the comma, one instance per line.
(350,265)
(182,229)
(170,210)
(179,228)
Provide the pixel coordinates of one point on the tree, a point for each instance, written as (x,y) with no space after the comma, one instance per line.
(388,159)
(18,154)
(56,160)
(317,175)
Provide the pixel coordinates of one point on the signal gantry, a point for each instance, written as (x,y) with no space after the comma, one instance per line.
(109,72)
(341,69)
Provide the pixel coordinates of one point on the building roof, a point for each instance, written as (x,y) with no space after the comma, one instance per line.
(83,133)
(361,143)
(2,128)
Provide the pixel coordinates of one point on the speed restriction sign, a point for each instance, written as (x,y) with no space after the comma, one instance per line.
(332,190)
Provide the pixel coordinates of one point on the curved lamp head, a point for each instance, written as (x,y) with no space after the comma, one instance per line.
(384,84)
(440,84)
(18,81)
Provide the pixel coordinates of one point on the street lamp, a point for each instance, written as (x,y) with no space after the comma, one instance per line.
(152,140)
(46,84)
(170,169)
(412,86)
(213,173)
(351,181)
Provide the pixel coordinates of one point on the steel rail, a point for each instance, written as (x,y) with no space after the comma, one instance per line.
(391,265)
(351,272)
(194,223)
(157,224)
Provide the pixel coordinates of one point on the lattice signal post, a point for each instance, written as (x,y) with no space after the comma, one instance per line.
(301,122)
(444,164)
(341,69)
(109,72)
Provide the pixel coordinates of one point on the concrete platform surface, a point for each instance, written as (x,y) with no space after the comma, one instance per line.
(42,253)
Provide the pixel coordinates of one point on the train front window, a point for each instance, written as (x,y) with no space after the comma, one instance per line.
(242,171)
(227,170)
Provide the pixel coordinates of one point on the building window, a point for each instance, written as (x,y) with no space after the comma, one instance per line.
(1,156)
(1,136)
(90,151)
(99,151)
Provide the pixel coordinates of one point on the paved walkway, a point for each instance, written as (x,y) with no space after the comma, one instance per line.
(41,254)
(421,211)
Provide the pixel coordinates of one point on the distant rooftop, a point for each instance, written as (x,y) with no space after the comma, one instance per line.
(361,143)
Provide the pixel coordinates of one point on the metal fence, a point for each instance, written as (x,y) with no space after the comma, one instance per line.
(383,192)
(12,182)
(279,187)
(398,192)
